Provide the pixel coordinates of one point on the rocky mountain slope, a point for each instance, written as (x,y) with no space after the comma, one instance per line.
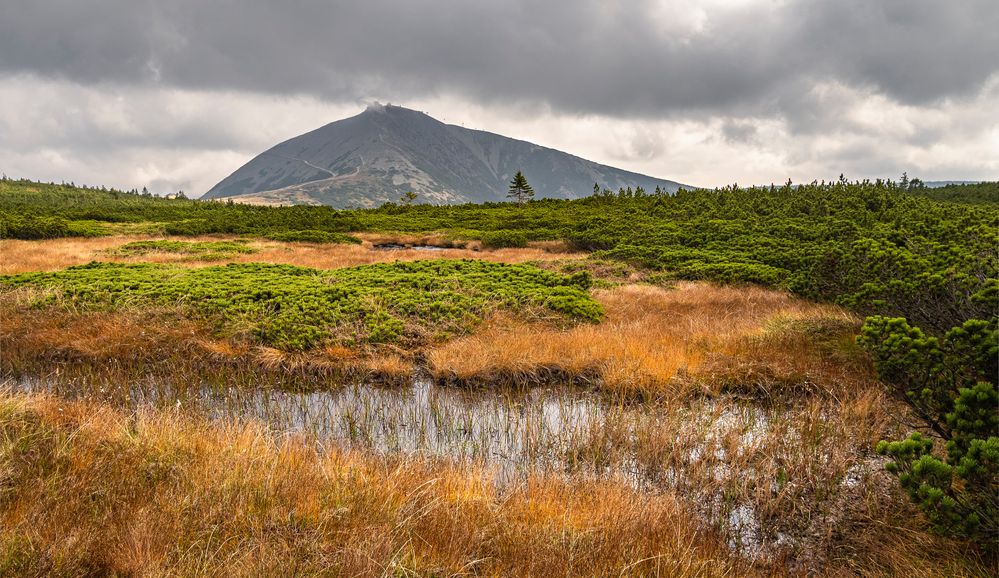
(378,155)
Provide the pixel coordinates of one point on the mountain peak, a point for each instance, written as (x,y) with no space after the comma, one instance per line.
(395,149)
(378,108)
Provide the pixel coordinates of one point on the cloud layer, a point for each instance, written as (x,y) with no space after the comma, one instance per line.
(665,87)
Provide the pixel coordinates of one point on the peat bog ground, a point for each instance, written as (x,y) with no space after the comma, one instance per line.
(627,384)
(559,414)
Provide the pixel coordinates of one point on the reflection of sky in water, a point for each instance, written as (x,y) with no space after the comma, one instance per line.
(514,431)
(548,430)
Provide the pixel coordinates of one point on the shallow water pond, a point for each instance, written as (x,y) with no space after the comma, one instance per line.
(400,247)
(516,432)
(549,430)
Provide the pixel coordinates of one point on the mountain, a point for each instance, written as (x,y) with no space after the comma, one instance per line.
(939,184)
(385,151)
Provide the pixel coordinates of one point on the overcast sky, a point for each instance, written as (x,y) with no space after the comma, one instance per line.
(176,94)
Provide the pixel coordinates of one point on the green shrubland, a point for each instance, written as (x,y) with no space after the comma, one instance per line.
(921,263)
(950,383)
(297,308)
(30,210)
(313,236)
(203,250)
(977,193)
(503,239)
(879,248)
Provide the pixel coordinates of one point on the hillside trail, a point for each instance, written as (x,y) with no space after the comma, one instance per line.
(319,168)
(332,176)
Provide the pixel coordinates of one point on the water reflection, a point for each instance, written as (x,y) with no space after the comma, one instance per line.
(516,433)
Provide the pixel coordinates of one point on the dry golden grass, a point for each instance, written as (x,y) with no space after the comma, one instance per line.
(123,344)
(417,239)
(662,342)
(18,256)
(90,491)
(21,256)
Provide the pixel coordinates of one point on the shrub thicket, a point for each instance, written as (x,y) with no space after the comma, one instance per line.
(297,308)
(880,248)
(312,236)
(950,383)
(196,249)
(503,239)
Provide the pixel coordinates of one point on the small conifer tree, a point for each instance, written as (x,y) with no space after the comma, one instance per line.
(408,198)
(520,190)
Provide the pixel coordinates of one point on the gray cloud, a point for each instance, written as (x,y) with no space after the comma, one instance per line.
(739,131)
(177,93)
(647,59)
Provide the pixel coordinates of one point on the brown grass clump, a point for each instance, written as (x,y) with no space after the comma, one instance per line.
(90,491)
(656,342)
(21,256)
(18,256)
(337,256)
(665,342)
(810,352)
(124,344)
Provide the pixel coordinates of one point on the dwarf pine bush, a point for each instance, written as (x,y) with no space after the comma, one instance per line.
(191,248)
(950,383)
(298,308)
(312,236)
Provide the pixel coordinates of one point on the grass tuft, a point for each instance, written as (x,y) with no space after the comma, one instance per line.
(88,490)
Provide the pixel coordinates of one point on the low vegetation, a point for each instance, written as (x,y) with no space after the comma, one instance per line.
(671,344)
(90,491)
(503,238)
(977,193)
(950,383)
(312,236)
(877,247)
(54,254)
(30,210)
(165,491)
(196,250)
(765,351)
(296,308)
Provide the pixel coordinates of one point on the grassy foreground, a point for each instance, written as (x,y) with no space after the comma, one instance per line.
(91,491)
(88,491)
(743,406)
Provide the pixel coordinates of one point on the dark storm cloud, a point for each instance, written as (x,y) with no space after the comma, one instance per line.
(589,56)
(738,131)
